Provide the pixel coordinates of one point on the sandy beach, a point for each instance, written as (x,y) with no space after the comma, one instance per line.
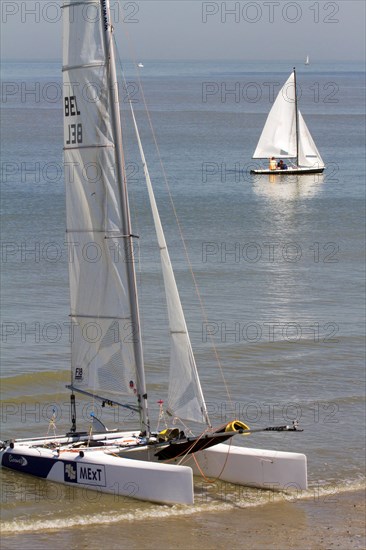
(331,522)
(336,521)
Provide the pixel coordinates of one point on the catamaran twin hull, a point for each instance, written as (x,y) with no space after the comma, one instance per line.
(106,295)
(119,463)
(288,171)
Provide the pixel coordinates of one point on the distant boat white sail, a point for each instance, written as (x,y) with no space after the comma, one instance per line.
(307,60)
(107,361)
(286,136)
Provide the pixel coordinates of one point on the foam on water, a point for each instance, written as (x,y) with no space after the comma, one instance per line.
(259,498)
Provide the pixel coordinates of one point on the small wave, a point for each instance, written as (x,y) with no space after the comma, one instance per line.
(34,383)
(319,493)
(326,491)
(100,519)
(45,377)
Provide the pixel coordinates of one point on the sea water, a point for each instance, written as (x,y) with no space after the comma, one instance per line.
(279,265)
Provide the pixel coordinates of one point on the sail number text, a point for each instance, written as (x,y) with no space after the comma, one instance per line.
(75,131)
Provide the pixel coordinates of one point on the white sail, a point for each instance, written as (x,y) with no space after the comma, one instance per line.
(185,397)
(278,138)
(308,152)
(103,351)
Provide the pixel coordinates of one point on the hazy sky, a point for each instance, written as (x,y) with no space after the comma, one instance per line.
(185,29)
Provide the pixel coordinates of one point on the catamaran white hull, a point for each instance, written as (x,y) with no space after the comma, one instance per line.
(103,472)
(140,475)
(265,469)
(289,171)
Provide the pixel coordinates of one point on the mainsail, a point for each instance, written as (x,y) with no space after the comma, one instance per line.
(106,342)
(185,397)
(278,138)
(286,135)
(106,345)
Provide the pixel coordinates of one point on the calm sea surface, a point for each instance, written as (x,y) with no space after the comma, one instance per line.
(279,266)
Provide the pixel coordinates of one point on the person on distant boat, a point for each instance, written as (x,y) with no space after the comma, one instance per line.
(272,163)
(281,165)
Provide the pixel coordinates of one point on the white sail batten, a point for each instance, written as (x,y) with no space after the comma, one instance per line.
(278,138)
(185,396)
(102,350)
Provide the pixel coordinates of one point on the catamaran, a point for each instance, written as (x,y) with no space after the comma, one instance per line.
(150,465)
(286,137)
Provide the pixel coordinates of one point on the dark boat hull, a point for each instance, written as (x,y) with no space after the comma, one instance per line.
(289,171)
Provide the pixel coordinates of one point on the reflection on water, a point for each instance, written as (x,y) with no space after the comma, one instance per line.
(289,187)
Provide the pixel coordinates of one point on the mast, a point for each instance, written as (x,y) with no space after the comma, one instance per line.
(296,121)
(125,211)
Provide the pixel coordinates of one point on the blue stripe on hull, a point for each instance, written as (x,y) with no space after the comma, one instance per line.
(73,471)
(34,465)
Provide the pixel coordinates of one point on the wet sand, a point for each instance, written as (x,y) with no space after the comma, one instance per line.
(331,522)
(328,522)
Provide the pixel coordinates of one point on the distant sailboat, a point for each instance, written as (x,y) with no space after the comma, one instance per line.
(286,136)
(307,61)
(140,65)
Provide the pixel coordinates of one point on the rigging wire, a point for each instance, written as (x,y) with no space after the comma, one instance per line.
(162,359)
(202,306)
(141,252)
